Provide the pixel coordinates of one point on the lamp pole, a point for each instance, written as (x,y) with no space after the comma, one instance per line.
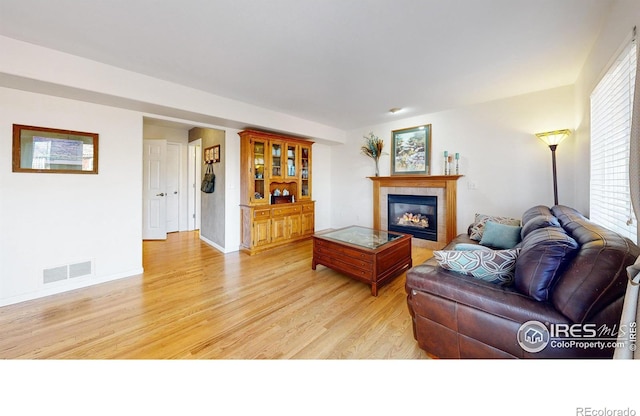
(555,176)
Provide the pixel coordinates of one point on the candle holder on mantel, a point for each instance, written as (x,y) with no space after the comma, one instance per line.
(446,162)
(449,161)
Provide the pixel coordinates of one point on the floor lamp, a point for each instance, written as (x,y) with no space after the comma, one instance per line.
(553,139)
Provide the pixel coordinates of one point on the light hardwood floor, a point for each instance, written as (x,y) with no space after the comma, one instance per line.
(194,302)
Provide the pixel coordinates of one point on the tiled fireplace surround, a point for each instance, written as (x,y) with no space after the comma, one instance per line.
(443,187)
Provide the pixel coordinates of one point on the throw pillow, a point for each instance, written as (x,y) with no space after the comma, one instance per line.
(500,236)
(481,219)
(470,246)
(493,266)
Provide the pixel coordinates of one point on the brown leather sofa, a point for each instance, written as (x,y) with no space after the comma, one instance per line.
(458,316)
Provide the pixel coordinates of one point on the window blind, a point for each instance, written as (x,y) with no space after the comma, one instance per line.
(611,109)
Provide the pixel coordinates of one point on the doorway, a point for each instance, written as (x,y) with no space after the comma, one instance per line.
(169,200)
(154,226)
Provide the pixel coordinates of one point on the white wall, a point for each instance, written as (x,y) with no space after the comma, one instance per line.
(49,220)
(322,184)
(232,191)
(510,167)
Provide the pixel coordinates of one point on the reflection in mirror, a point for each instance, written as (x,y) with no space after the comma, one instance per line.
(41,149)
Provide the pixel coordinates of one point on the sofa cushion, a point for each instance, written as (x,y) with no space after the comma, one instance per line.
(539,221)
(504,301)
(535,212)
(494,266)
(500,236)
(544,254)
(477,228)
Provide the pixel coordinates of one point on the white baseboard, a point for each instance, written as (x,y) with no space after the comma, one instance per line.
(68,286)
(216,246)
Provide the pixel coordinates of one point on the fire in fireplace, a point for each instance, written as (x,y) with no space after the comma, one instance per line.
(414,214)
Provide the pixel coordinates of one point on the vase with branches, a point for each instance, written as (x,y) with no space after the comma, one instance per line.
(373,148)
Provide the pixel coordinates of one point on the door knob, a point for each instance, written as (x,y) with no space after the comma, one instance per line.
(162,194)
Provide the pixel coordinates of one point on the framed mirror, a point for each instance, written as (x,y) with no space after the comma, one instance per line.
(47,150)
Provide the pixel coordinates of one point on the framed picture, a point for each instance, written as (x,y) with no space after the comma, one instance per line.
(216,154)
(208,154)
(411,151)
(47,150)
(212,154)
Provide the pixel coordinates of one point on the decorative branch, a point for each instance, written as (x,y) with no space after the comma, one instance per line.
(373,146)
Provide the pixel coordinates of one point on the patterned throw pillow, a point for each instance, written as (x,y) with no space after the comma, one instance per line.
(477,229)
(493,266)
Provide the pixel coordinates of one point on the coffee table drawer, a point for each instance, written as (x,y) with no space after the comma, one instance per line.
(345,267)
(362,263)
(337,248)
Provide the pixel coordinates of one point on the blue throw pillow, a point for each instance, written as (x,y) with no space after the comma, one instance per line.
(500,236)
(477,228)
(493,266)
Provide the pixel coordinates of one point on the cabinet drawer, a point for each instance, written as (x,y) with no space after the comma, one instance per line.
(308,207)
(280,211)
(261,213)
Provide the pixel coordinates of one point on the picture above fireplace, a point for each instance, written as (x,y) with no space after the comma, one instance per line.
(414,214)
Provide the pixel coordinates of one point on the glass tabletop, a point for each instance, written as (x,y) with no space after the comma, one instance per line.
(361,236)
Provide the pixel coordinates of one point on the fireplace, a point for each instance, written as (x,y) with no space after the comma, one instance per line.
(413,214)
(443,187)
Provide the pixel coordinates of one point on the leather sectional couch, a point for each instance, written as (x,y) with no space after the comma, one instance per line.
(557,284)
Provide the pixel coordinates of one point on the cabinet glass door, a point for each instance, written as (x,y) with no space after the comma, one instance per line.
(258,170)
(291,160)
(305,166)
(276,159)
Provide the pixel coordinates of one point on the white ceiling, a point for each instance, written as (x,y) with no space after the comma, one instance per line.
(343,63)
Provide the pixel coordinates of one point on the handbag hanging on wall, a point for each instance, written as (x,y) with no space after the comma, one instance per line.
(209,181)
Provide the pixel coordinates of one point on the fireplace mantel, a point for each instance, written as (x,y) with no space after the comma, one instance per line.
(448,182)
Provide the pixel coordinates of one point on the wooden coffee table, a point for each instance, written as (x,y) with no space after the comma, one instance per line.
(372,256)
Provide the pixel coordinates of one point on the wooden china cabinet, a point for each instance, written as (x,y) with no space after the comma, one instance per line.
(275,179)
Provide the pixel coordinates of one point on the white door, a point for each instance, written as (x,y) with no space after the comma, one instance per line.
(154,190)
(173,187)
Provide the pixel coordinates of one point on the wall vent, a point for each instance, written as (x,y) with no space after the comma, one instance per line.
(55,274)
(69,271)
(80,269)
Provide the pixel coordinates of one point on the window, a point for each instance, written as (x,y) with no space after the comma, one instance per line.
(611,109)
